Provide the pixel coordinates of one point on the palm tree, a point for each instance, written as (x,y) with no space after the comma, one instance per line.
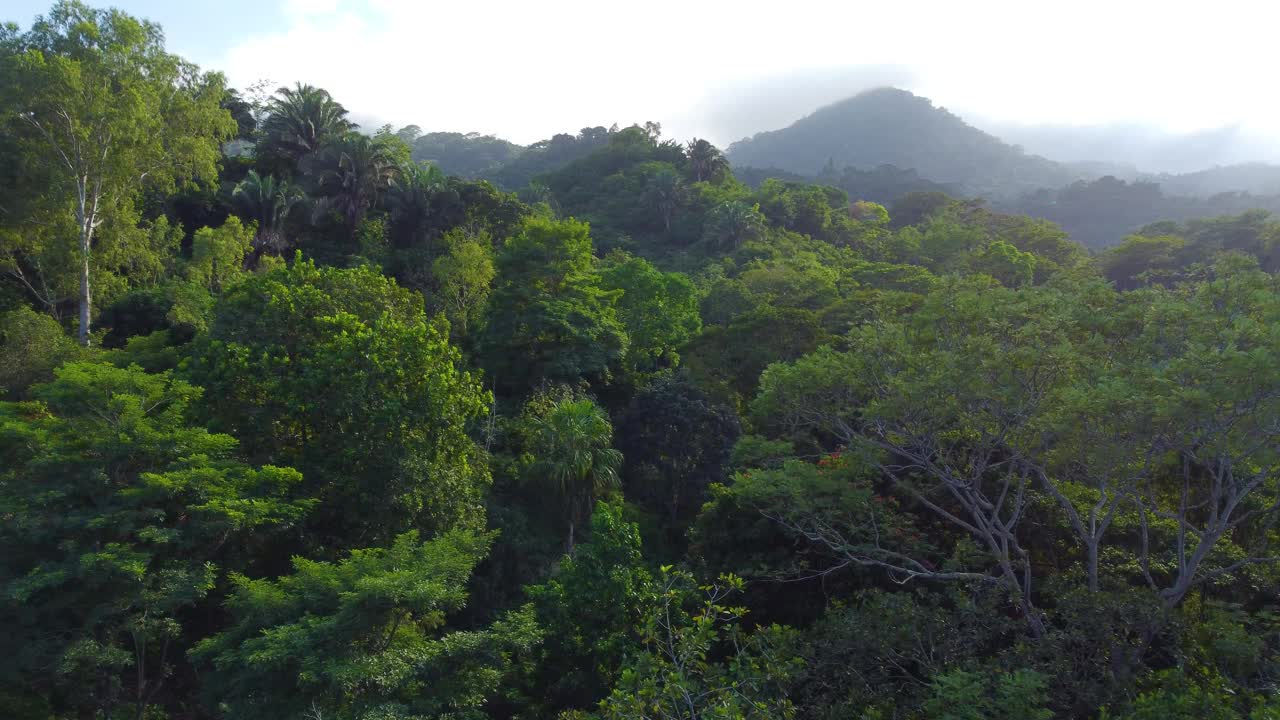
(571,441)
(301,120)
(359,169)
(411,202)
(665,192)
(706,162)
(268,202)
(732,223)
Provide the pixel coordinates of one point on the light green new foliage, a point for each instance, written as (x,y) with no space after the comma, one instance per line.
(364,638)
(341,374)
(217,255)
(464,276)
(659,310)
(94,93)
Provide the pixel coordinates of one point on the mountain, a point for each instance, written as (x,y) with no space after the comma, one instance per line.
(506,164)
(1154,149)
(1255,178)
(887,126)
(469,155)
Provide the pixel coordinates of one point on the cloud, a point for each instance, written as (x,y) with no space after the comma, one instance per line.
(726,69)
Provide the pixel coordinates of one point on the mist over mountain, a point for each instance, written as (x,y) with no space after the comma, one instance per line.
(888,126)
(739,110)
(1142,148)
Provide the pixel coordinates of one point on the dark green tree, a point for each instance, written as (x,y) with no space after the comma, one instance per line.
(119,514)
(570,441)
(300,120)
(365,637)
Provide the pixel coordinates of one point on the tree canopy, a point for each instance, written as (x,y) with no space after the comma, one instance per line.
(302,420)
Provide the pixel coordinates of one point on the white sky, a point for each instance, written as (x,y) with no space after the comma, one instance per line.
(526,70)
(725,69)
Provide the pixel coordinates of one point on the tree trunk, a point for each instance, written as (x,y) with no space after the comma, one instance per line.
(1093,566)
(86,239)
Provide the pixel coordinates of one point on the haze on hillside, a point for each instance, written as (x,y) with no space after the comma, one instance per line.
(1164,86)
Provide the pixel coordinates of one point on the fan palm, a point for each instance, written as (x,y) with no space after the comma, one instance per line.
(732,223)
(268,202)
(571,441)
(301,120)
(665,192)
(706,162)
(410,202)
(359,170)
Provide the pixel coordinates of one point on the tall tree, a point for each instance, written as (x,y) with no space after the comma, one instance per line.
(300,120)
(570,442)
(665,193)
(659,310)
(269,203)
(732,223)
(548,318)
(357,171)
(116,511)
(706,162)
(341,374)
(95,93)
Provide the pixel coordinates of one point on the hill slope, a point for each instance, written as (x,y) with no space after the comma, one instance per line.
(887,126)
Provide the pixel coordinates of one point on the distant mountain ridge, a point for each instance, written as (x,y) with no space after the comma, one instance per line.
(888,126)
(877,145)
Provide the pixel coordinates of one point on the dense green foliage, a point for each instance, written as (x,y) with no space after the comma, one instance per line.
(600,428)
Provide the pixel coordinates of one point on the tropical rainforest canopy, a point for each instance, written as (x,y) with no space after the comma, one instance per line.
(299,420)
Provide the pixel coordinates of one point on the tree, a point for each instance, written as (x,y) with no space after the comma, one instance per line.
(32,346)
(118,511)
(965,695)
(95,93)
(270,203)
(677,443)
(300,120)
(1006,263)
(358,170)
(589,609)
(1141,258)
(658,309)
(665,193)
(728,361)
(218,255)
(732,223)
(570,443)
(908,395)
(411,204)
(365,637)
(341,374)
(464,275)
(548,318)
(1206,388)
(706,162)
(678,675)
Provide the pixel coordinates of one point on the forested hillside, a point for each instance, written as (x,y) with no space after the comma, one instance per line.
(295,425)
(888,126)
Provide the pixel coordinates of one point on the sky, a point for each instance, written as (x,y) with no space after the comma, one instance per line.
(727,69)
